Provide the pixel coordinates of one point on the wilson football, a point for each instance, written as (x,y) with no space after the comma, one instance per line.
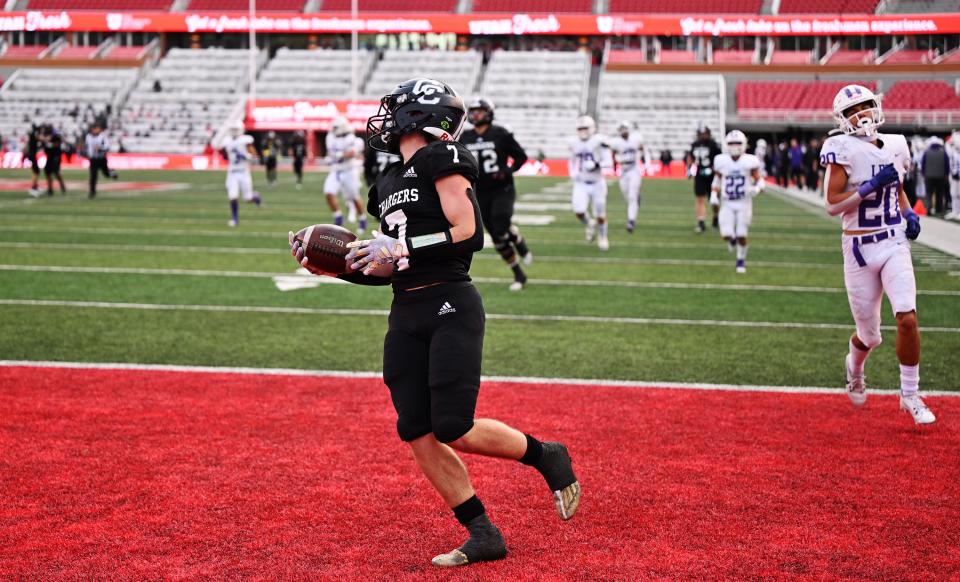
(326,246)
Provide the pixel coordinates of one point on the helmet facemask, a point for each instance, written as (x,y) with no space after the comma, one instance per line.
(735,149)
(861,121)
(479,116)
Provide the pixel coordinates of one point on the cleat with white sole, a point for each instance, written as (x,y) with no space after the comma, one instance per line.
(232,223)
(516,286)
(484,545)
(528,259)
(603,243)
(557,469)
(856,385)
(917,409)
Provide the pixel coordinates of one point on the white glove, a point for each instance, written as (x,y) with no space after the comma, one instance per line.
(380,250)
(714,198)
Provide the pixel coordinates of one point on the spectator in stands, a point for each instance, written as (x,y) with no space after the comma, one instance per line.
(811,164)
(796,162)
(95,149)
(935,166)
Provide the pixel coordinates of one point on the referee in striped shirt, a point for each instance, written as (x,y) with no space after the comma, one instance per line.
(95,148)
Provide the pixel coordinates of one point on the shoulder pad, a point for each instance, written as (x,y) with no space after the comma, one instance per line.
(443,158)
(836,150)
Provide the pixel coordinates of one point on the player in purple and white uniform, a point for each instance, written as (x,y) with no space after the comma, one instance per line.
(737,181)
(864,173)
(589,155)
(344,149)
(238,150)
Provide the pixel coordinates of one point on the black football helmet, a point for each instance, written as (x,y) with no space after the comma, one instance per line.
(480,111)
(419,104)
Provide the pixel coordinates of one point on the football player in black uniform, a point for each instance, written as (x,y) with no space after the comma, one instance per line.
(269,152)
(430,227)
(53,148)
(700,167)
(375,162)
(494,146)
(298,150)
(30,154)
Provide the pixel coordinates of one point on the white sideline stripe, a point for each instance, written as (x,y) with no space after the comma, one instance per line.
(493,280)
(511,379)
(495,316)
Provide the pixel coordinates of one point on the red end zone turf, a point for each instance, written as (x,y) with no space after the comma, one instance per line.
(144,474)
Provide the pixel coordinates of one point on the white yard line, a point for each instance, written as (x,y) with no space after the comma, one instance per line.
(492,280)
(490,316)
(534,380)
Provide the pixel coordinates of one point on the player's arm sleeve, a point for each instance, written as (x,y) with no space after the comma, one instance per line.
(516,153)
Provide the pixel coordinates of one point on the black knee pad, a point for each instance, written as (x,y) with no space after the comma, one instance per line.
(449,428)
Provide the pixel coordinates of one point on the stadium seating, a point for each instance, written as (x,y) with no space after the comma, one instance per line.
(907,57)
(579,6)
(677,57)
(117,52)
(99,4)
(75,53)
(199,89)
(539,96)
(244,5)
(790,95)
(921,95)
(70,99)
(920,6)
(626,57)
(733,57)
(686,6)
(791,58)
(951,58)
(847,57)
(458,69)
(23,52)
(827,6)
(390,5)
(666,108)
(310,74)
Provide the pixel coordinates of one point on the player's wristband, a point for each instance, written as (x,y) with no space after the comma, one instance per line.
(866,189)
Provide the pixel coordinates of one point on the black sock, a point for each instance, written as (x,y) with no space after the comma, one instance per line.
(469,510)
(534,452)
(518,273)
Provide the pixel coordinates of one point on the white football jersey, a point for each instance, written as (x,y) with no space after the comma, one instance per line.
(588,157)
(338,145)
(735,175)
(238,158)
(629,152)
(862,160)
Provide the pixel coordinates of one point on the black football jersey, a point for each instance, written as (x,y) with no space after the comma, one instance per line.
(404,199)
(703,153)
(494,151)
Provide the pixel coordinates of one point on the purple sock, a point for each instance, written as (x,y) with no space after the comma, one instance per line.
(363,223)
(234,210)
(338,220)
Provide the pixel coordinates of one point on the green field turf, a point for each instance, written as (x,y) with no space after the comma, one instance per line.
(664,304)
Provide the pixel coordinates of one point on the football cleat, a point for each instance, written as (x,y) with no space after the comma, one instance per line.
(741,266)
(232,222)
(917,409)
(603,243)
(557,469)
(631,225)
(485,544)
(516,286)
(528,259)
(591,230)
(856,385)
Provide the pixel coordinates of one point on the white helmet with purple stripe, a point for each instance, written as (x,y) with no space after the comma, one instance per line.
(863,121)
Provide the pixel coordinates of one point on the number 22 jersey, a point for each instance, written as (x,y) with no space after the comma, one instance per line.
(405,201)
(862,160)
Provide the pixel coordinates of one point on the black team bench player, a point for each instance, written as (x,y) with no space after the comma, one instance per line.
(700,163)
(430,227)
(499,156)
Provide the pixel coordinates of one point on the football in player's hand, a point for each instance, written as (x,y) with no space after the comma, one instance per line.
(325,247)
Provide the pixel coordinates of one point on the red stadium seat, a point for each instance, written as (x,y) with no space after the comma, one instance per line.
(790,95)
(732,57)
(390,5)
(99,4)
(125,52)
(686,6)
(577,6)
(678,57)
(791,58)
(75,52)
(908,58)
(921,95)
(828,6)
(845,57)
(244,5)
(626,57)
(30,51)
